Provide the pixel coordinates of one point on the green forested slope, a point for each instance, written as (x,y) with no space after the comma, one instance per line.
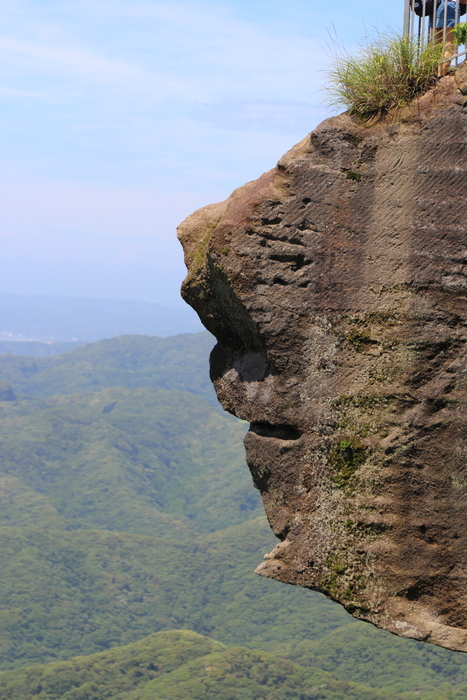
(178,665)
(113,673)
(127,511)
(182,665)
(177,362)
(250,675)
(63,594)
(372,657)
(123,459)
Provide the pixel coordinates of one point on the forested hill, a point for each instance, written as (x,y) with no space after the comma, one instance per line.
(146,461)
(176,362)
(180,665)
(127,514)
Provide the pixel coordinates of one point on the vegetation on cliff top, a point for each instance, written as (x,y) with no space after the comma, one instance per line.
(387,73)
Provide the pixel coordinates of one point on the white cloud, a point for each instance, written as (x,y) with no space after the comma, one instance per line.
(63,58)
(181,51)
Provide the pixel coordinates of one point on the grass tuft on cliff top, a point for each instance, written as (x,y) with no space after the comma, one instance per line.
(387,73)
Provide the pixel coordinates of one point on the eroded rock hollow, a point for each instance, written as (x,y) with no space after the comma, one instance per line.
(336,286)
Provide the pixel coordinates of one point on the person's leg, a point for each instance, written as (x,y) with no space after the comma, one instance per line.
(444,32)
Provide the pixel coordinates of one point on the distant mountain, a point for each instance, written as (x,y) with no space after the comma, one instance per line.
(177,362)
(36,348)
(68,319)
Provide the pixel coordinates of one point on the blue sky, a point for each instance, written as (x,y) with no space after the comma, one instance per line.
(120,117)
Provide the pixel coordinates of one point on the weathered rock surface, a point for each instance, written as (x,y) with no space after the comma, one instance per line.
(336,285)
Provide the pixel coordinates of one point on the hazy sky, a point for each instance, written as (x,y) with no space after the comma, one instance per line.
(120,117)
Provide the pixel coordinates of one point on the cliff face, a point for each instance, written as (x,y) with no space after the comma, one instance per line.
(336,285)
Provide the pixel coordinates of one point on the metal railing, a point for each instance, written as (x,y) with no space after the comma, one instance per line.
(433,20)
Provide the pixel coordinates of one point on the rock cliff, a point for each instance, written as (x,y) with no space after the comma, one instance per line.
(336,286)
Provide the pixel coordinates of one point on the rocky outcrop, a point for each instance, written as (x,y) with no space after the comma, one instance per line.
(336,286)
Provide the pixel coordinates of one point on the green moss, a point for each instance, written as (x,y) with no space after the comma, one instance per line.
(378,375)
(356,608)
(352,175)
(367,402)
(345,458)
(199,258)
(339,569)
(344,582)
(360,339)
(383,319)
(330,583)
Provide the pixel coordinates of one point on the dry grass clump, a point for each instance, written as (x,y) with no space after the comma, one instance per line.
(385,74)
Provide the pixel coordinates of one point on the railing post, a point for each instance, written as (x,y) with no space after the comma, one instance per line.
(406,17)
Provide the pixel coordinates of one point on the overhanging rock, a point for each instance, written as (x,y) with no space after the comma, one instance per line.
(336,285)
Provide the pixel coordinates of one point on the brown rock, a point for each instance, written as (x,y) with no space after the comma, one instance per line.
(460,77)
(336,285)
